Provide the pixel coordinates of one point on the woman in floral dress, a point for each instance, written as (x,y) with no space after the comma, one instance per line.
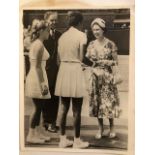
(103,93)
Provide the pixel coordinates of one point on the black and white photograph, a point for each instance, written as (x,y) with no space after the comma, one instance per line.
(76,79)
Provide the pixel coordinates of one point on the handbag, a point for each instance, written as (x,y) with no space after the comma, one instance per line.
(117,79)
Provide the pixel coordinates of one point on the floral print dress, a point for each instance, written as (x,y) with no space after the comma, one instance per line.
(103,94)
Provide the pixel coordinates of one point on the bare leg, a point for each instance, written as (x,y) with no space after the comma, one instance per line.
(100,123)
(38,103)
(112,132)
(100,132)
(65,103)
(32,136)
(111,122)
(77,105)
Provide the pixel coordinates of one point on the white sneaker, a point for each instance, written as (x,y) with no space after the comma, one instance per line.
(112,135)
(34,140)
(65,143)
(98,135)
(80,144)
(46,138)
(40,135)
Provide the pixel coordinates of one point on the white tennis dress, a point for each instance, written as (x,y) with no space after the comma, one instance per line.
(32,87)
(70,79)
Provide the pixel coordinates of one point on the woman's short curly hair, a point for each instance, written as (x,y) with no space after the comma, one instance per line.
(49,13)
(35,31)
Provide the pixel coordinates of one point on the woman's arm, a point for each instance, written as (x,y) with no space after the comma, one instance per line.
(114,53)
(38,49)
(88,56)
(115,57)
(82,49)
(39,53)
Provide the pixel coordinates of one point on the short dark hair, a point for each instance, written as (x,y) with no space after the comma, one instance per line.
(75,18)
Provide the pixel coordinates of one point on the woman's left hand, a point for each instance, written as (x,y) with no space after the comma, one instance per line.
(44,89)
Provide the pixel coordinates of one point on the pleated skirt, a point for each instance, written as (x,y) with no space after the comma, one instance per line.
(70,80)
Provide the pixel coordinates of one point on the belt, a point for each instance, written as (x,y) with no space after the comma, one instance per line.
(70,61)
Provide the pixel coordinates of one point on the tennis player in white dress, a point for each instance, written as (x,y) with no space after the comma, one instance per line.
(36,86)
(70,83)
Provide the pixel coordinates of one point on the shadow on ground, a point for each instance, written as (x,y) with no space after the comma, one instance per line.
(87,134)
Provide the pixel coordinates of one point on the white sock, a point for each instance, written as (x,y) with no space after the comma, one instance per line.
(76,140)
(62,137)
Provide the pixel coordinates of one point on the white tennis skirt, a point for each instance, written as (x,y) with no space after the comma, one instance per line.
(32,86)
(70,80)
